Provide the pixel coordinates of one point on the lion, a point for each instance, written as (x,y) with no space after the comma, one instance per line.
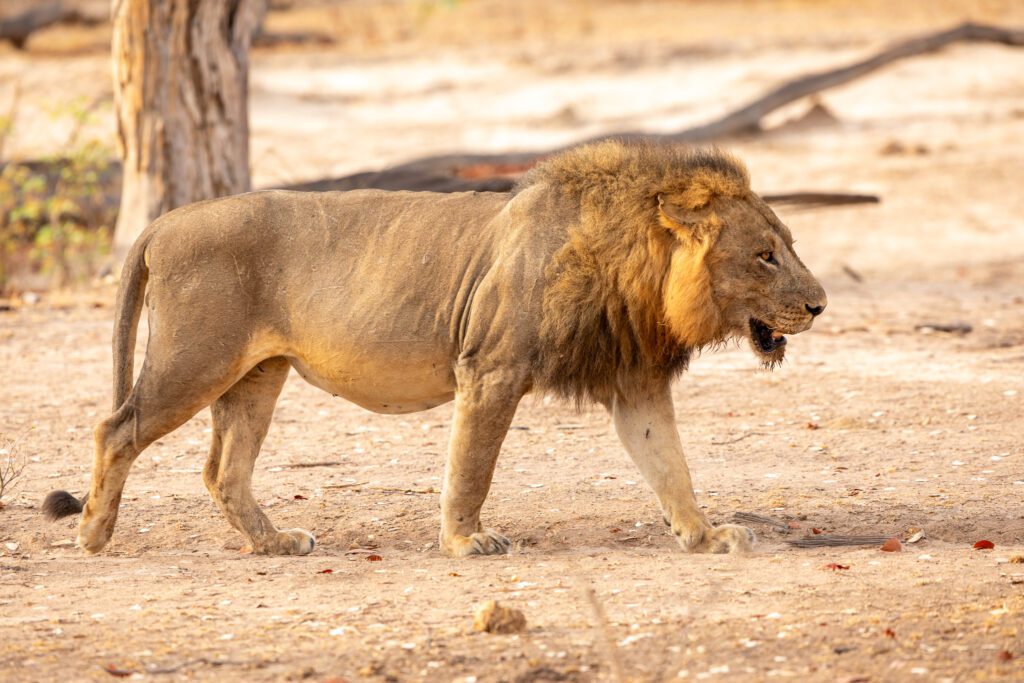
(596,279)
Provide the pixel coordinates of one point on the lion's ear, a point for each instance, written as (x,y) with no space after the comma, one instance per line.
(679,219)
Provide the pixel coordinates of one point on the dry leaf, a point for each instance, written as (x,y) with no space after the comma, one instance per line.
(374,558)
(1004,656)
(984,545)
(115,670)
(326,571)
(299,496)
(918,535)
(892,545)
(836,567)
(889,633)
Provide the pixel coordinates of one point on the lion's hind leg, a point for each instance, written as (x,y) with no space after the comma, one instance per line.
(161,401)
(241,418)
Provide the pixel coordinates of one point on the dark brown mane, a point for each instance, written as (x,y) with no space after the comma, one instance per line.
(603,323)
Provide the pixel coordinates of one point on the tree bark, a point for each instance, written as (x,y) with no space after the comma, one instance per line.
(181,79)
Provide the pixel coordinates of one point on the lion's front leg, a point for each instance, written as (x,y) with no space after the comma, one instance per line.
(485,404)
(645,422)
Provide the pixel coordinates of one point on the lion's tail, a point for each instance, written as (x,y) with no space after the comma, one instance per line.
(130,297)
(61,504)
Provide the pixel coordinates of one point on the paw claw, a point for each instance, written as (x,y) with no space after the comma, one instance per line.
(728,538)
(288,542)
(484,542)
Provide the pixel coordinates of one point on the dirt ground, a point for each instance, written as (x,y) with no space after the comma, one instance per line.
(873,426)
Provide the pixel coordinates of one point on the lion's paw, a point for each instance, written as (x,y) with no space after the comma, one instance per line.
(289,542)
(93,533)
(484,542)
(728,538)
(91,543)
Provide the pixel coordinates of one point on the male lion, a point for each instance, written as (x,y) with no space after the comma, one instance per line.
(596,278)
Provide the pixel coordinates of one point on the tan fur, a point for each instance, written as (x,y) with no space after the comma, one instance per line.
(689,308)
(596,279)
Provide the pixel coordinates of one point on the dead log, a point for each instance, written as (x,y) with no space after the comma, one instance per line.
(748,118)
(19,27)
(19,24)
(454,172)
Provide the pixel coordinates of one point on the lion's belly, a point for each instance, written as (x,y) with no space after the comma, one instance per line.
(384,383)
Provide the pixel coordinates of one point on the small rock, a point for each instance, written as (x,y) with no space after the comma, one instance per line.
(491,617)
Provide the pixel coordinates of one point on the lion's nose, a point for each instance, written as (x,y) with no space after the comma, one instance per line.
(814,310)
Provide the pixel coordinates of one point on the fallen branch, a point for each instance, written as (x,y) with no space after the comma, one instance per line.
(191,662)
(737,439)
(318,463)
(748,117)
(463,172)
(753,518)
(18,26)
(345,486)
(814,200)
(951,328)
(824,540)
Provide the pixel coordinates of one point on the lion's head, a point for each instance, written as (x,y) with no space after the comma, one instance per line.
(749,282)
(668,251)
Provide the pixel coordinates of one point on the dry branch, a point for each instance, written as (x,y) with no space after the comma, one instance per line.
(456,172)
(820,199)
(12,466)
(754,518)
(824,540)
(18,25)
(748,117)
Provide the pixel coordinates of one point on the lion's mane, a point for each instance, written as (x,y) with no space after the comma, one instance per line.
(605,320)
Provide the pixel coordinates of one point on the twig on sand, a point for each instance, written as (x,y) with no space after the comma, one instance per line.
(951,328)
(823,540)
(818,200)
(610,646)
(738,438)
(395,489)
(318,463)
(753,518)
(191,662)
(853,274)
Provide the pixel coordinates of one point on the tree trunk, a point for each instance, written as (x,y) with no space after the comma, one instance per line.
(181,77)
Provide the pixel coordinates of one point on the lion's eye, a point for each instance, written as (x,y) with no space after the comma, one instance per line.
(768,257)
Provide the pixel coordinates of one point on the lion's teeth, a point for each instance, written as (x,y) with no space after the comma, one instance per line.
(776,335)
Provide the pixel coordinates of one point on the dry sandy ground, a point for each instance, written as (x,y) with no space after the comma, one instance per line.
(914,431)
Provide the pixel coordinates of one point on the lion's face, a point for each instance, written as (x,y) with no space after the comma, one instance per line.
(752,278)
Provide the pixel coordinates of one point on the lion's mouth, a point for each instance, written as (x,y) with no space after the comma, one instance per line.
(765,339)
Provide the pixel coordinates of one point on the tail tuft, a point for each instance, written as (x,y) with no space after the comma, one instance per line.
(62,504)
